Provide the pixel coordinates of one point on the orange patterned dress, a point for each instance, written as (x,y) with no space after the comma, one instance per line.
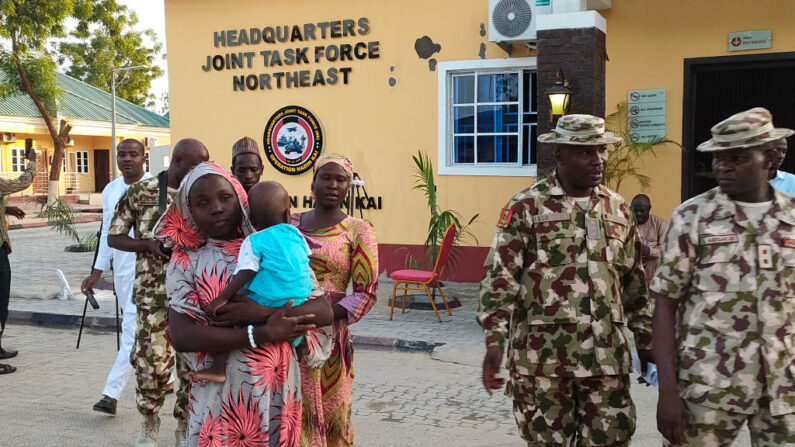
(341,254)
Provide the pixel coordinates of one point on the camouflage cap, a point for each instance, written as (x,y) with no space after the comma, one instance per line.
(745,129)
(586,130)
(245,145)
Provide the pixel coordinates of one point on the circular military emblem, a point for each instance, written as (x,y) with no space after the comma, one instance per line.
(293,140)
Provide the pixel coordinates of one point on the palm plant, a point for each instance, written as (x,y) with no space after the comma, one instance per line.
(623,160)
(60,217)
(440,219)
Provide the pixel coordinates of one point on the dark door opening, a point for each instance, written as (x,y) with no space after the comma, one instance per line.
(718,87)
(101,169)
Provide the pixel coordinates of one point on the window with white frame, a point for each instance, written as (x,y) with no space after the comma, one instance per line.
(18,161)
(146,161)
(487,117)
(81,162)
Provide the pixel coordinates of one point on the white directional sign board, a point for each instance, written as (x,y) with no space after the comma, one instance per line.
(750,40)
(646,114)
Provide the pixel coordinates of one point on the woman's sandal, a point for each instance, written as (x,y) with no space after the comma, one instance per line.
(6,369)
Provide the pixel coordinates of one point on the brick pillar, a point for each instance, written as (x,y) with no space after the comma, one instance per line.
(580,54)
(42,178)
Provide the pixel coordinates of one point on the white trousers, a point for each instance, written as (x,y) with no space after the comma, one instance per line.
(122,368)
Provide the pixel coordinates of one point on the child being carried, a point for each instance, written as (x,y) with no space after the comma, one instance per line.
(272,266)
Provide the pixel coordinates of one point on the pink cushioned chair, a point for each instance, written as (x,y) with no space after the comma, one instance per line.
(413,279)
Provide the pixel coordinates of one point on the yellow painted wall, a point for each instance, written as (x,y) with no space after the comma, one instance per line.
(42,142)
(380,127)
(647,42)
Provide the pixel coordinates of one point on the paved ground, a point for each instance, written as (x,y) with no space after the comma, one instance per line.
(400,399)
(37,252)
(86,212)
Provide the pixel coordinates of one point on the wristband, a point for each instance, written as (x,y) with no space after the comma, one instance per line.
(251,336)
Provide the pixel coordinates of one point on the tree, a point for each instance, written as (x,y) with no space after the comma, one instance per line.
(164,105)
(114,44)
(29,68)
(33,27)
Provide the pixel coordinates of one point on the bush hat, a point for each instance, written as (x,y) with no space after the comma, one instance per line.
(745,129)
(586,130)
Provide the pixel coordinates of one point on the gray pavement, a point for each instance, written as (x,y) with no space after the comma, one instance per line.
(37,252)
(400,399)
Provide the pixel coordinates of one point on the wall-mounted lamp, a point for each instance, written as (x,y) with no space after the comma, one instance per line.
(559,95)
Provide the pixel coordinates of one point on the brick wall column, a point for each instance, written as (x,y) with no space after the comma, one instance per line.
(42,178)
(580,53)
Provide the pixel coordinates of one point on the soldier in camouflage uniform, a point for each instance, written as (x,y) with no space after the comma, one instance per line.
(152,356)
(564,279)
(724,335)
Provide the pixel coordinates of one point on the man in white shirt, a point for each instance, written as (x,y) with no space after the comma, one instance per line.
(780,180)
(130,160)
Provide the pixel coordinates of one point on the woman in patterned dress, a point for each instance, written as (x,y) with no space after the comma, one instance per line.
(260,402)
(344,250)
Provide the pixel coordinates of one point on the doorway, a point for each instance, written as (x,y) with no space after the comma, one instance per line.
(718,87)
(101,169)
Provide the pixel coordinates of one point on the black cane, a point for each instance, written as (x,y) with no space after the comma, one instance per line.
(90,298)
(118,343)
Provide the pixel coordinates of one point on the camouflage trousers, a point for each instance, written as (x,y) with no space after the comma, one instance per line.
(153,360)
(710,427)
(576,411)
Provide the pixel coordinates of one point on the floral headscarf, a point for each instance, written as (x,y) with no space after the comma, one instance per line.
(176,227)
(339,159)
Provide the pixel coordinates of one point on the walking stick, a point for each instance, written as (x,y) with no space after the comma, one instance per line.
(90,298)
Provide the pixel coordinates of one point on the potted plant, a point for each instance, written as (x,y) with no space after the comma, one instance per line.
(623,160)
(440,219)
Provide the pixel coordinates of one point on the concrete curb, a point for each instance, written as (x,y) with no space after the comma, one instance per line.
(108,324)
(23,226)
(61,320)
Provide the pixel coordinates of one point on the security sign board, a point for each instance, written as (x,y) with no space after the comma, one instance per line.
(646,114)
(646,123)
(293,140)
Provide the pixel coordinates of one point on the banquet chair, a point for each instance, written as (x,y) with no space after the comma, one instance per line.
(419,280)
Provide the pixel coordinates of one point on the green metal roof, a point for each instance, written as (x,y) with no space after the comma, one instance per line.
(83,101)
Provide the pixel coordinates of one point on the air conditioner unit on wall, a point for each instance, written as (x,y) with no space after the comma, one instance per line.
(9,137)
(515,20)
(150,141)
(69,142)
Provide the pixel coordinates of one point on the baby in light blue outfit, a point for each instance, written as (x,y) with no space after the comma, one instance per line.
(272,265)
(278,256)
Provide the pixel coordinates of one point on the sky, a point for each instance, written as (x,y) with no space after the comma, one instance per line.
(151,14)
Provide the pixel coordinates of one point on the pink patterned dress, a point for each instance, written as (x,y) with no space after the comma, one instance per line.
(341,254)
(260,402)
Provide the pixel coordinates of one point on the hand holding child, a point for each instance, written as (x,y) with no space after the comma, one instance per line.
(215,304)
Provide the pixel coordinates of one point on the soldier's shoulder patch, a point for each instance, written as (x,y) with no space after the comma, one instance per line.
(718,239)
(790,243)
(505,218)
